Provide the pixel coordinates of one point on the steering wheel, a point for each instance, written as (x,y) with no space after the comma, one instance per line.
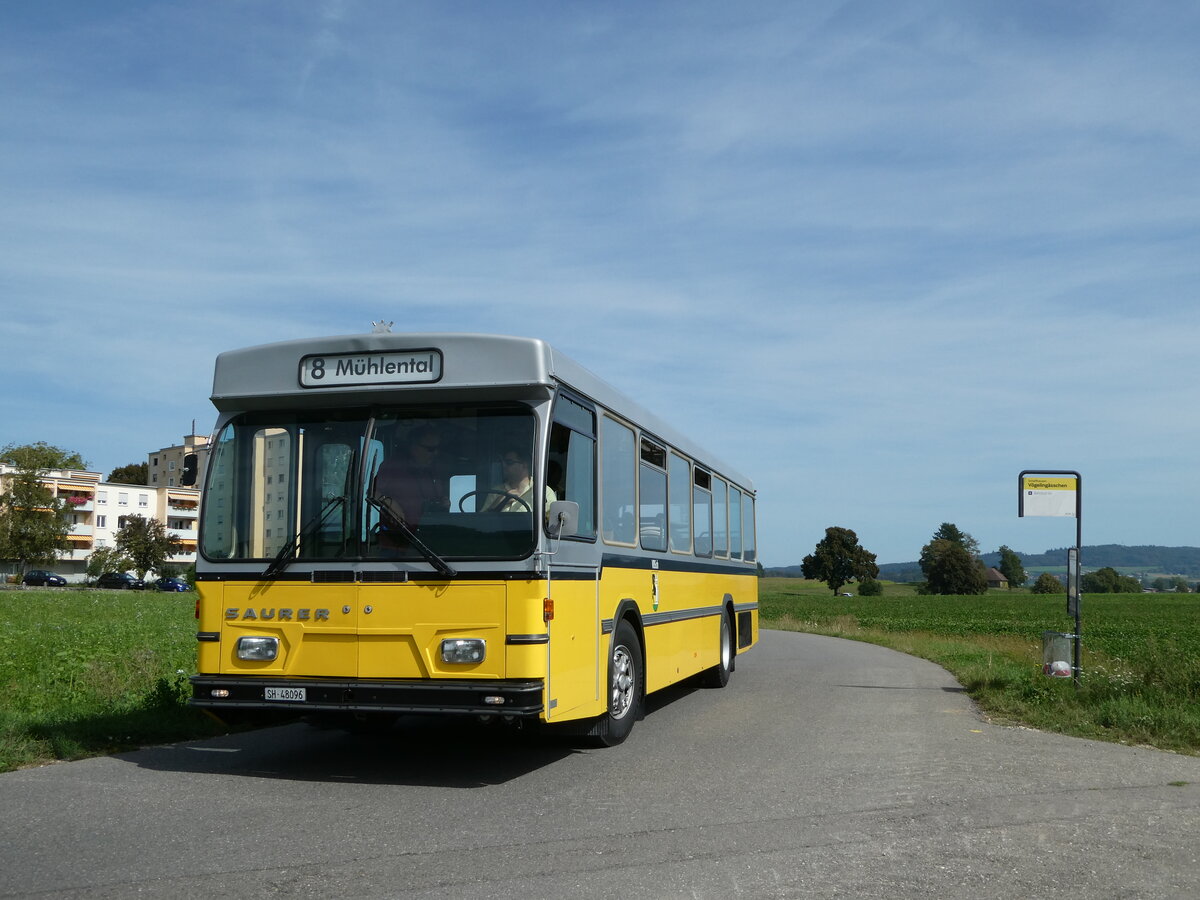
(510,496)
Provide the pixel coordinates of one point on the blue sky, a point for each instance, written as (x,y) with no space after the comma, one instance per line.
(881,256)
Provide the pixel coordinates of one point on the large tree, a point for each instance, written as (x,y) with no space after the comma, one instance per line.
(146,543)
(134,473)
(41,455)
(1010,566)
(948,531)
(950,569)
(34,523)
(951,563)
(838,559)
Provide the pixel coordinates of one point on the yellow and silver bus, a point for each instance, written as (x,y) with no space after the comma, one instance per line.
(459,524)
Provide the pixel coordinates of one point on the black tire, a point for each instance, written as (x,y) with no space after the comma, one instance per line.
(718,675)
(626,686)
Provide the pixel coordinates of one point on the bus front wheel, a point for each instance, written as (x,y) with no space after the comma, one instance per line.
(626,684)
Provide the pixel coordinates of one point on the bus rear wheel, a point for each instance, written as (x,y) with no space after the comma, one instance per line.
(718,675)
(626,684)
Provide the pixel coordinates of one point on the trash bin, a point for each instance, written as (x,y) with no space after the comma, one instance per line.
(1056,654)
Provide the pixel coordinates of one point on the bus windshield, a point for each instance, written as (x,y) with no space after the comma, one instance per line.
(373,484)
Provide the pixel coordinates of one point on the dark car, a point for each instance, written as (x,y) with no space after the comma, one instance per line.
(172,584)
(42,578)
(121,581)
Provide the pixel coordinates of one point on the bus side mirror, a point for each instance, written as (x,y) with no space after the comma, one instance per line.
(563,518)
(190,465)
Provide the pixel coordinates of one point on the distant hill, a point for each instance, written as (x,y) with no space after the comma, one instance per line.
(1147,560)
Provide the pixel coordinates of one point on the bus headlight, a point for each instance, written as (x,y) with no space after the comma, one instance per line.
(464,650)
(258,649)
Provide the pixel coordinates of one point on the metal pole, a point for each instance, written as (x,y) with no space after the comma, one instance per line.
(1078,661)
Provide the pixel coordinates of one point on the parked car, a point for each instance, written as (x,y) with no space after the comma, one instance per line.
(121,581)
(172,584)
(42,578)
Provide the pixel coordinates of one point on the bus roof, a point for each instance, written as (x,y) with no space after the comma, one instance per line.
(359,368)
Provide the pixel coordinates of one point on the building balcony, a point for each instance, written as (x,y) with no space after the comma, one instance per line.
(78,531)
(186,535)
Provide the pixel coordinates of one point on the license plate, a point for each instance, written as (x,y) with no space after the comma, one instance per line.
(292,694)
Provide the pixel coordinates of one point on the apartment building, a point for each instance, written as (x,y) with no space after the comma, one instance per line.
(164,468)
(98,510)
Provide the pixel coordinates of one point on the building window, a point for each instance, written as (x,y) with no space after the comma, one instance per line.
(122,499)
(100,521)
(143,500)
(102,497)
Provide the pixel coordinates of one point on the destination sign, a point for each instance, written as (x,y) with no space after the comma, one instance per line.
(1049,496)
(389,367)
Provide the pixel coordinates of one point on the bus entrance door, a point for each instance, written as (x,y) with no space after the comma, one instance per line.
(574,671)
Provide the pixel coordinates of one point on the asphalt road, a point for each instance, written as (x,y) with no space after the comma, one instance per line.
(826,769)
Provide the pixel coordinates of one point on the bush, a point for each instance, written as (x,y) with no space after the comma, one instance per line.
(869,587)
(1047,584)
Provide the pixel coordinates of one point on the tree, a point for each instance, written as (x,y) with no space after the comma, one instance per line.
(34,523)
(951,563)
(146,543)
(1047,584)
(1010,567)
(950,569)
(838,558)
(40,456)
(106,559)
(948,531)
(1109,581)
(134,473)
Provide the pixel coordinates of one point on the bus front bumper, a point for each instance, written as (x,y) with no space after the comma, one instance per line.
(504,697)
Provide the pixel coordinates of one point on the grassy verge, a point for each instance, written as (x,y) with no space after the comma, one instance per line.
(86,672)
(1141,653)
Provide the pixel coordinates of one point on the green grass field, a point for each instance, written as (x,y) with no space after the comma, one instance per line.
(86,672)
(1141,653)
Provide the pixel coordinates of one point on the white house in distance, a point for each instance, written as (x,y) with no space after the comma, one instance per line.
(98,508)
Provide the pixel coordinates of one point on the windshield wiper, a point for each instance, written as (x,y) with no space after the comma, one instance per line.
(389,509)
(289,550)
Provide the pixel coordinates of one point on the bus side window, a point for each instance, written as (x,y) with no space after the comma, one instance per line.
(619,478)
(702,511)
(571,473)
(735,522)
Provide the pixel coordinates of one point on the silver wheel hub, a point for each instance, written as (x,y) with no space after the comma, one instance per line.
(622,682)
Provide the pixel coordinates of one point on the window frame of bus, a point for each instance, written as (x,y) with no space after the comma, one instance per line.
(701,491)
(720,493)
(679,483)
(735,548)
(652,473)
(566,402)
(610,456)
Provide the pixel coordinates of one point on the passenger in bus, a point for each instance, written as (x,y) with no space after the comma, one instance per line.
(411,480)
(517,483)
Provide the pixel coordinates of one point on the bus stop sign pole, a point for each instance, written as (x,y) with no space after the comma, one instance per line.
(1057,492)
